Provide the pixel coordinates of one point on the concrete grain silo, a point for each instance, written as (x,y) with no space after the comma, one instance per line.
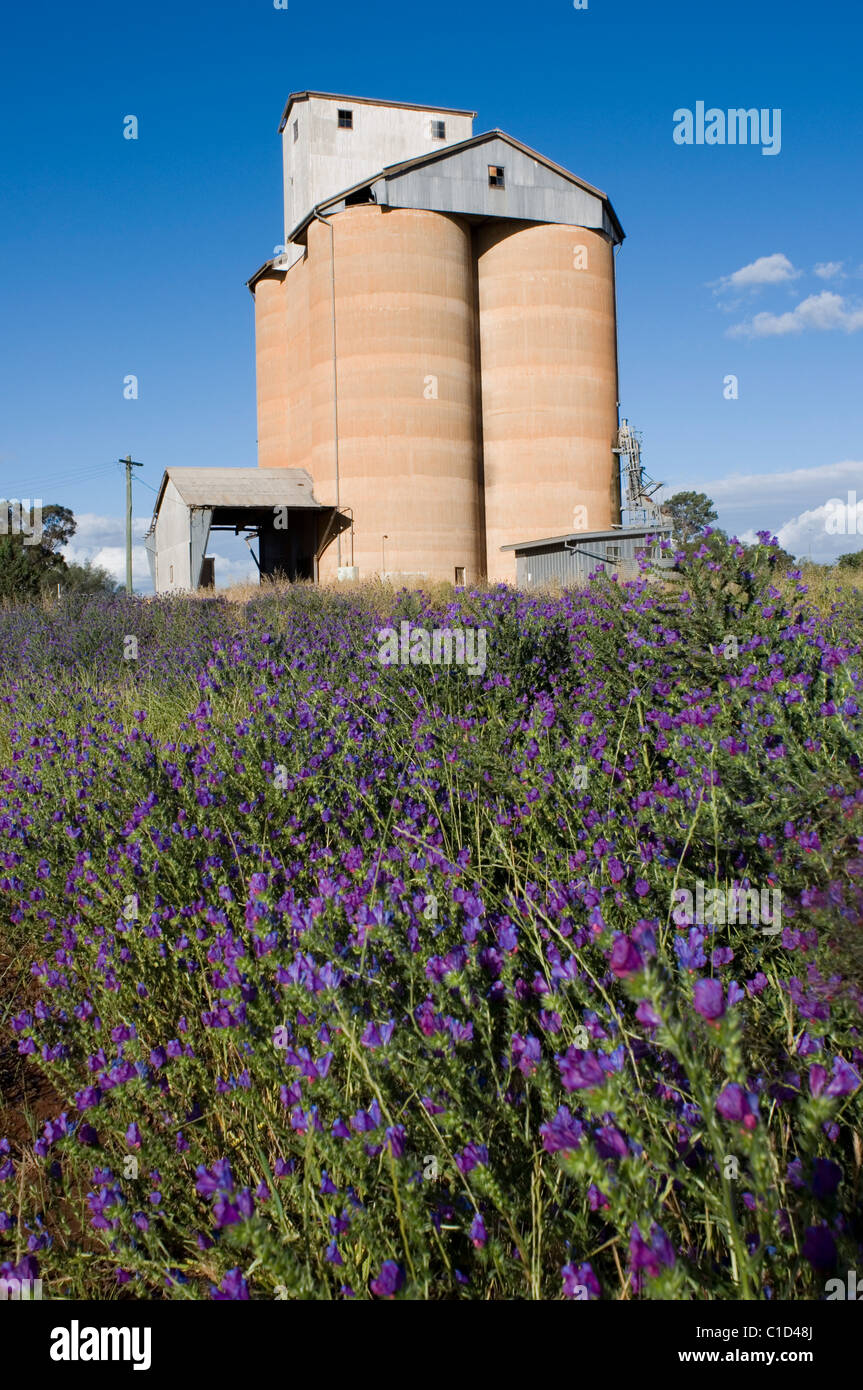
(408,452)
(548,382)
(437,345)
(275,435)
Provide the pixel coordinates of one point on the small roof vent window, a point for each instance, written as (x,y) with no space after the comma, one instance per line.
(438,130)
(296,131)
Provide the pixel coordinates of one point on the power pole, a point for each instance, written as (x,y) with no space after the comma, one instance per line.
(130,464)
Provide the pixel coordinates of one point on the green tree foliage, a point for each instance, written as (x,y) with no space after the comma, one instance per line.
(25,569)
(87,579)
(851,561)
(690,512)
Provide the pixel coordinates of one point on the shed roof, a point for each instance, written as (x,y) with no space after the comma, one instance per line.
(582,537)
(241,487)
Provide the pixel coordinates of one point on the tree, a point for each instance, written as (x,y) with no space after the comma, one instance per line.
(24,567)
(851,561)
(690,512)
(20,570)
(58,527)
(84,579)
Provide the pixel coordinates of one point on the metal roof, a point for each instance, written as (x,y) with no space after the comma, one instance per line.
(433,156)
(368,101)
(445,151)
(241,487)
(266,271)
(582,537)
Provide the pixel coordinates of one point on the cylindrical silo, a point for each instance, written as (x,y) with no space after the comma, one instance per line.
(549,383)
(271,332)
(298,382)
(282,358)
(405,386)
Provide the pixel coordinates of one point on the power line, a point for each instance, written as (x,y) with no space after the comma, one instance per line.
(60,480)
(136,479)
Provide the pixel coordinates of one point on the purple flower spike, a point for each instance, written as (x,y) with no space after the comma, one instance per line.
(826,1177)
(580,1071)
(734,1104)
(625,958)
(389,1281)
(845,1079)
(817,1079)
(819,1248)
(233,1286)
(563,1133)
(708,999)
(579,1281)
(472,1156)
(650,1257)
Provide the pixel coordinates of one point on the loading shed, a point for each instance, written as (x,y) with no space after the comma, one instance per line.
(276,506)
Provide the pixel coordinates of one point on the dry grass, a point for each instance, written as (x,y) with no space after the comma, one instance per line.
(829,585)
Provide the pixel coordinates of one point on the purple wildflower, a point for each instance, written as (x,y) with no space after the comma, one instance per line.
(389,1281)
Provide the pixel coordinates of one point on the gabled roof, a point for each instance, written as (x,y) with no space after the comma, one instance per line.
(472,140)
(367,101)
(240,487)
(448,152)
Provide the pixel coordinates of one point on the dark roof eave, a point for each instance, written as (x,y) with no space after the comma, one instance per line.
(265,272)
(159,495)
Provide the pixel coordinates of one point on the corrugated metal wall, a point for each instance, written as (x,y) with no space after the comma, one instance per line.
(555,564)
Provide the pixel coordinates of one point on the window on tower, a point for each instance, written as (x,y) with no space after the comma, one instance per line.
(438,130)
(346,120)
(496,177)
(296,131)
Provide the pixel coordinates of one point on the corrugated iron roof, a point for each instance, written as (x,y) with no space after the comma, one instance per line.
(586,537)
(442,154)
(446,151)
(241,487)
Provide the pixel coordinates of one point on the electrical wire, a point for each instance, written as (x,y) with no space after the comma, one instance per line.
(60,480)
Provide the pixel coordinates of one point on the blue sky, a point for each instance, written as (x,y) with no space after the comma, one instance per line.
(126,257)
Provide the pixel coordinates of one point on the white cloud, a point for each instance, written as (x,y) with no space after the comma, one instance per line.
(832,529)
(102,541)
(233,571)
(804,486)
(822,312)
(767,270)
(797,507)
(807,538)
(93,530)
(829,270)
